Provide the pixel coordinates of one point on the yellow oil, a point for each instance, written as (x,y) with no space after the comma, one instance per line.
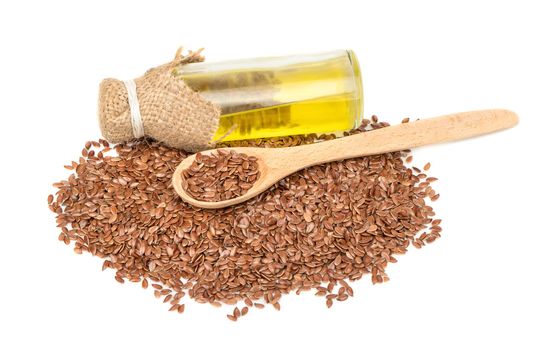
(319,115)
(311,96)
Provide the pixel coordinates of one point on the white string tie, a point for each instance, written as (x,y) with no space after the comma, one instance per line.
(135,113)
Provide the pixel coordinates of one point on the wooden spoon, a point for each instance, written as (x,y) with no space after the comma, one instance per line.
(277,163)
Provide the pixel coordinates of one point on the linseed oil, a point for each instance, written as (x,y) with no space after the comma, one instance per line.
(281,96)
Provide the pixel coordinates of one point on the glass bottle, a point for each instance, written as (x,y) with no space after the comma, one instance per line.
(281,96)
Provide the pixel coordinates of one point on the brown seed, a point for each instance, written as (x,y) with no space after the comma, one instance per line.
(237,312)
(144,284)
(436,222)
(427,166)
(342,297)
(337,260)
(329,303)
(244,311)
(232,317)
(330,286)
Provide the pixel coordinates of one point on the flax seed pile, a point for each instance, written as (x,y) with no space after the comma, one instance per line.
(318,229)
(220,176)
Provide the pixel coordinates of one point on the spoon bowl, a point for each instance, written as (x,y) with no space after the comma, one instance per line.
(276,163)
(262,183)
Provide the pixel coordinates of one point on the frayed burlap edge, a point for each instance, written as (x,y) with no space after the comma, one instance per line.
(171,111)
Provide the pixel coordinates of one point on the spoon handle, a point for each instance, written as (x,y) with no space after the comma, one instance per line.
(404,136)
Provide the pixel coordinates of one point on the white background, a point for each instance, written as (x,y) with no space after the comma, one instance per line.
(470,289)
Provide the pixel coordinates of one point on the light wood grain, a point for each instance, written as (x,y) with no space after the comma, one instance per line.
(277,163)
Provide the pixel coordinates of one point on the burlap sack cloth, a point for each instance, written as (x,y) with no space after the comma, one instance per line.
(171,111)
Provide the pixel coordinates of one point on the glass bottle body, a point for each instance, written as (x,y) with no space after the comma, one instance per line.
(281,96)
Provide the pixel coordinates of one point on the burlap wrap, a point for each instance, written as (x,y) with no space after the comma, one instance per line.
(171,111)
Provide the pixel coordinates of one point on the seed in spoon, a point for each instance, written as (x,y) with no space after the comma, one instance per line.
(220,176)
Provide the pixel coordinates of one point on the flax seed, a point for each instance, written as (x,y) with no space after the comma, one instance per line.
(314,230)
